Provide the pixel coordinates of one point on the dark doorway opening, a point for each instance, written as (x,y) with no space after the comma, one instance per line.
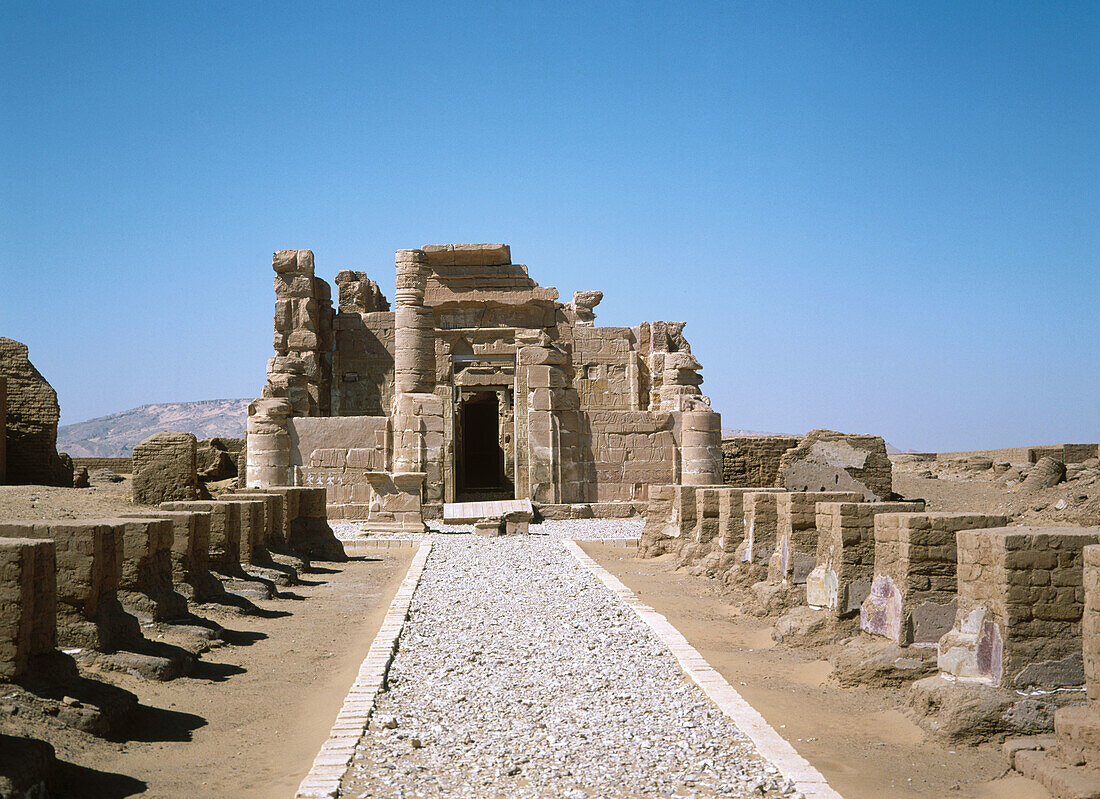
(481,458)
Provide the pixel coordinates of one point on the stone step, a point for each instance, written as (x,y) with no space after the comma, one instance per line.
(1063,782)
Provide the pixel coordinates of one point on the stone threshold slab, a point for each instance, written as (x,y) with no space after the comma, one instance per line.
(769,743)
(334,759)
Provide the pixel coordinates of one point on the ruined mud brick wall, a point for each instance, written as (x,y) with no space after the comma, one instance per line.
(3,429)
(145,582)
(30,427)
(224,553)
(754,460)
(88,569)
(301,370)
(164,468)
(842,578)
(117,465)
(913,595)
(190,544)
(28,601)
(1066,453)
(1020,602)
(826,460)
(795,552)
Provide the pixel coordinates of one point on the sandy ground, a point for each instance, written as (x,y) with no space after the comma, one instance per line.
(251,728)
(859,738)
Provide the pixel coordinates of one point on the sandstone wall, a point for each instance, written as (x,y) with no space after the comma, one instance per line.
(1020,603)
(754,460)
(796,535)
(30,429)
(913,595)
(28,603)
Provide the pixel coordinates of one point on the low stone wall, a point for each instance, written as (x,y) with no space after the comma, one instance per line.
(28,601)
(842,578)
(1020,603)
(190,544)
(753,461)
(761,509)
(253,526)
(670,518)
(88,569)
(145,582)
(224,553)
(276,527)
(913,595)
(795,553)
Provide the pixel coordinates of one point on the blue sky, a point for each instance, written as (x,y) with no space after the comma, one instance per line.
(874,217)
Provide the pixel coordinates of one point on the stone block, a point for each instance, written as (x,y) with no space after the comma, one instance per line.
(224,553)
(145,582)
(28,601)
(842,578)
(826,460)
(913,593)
(1012,632)
(165,469)
(795,553)
(88,568)
(190,545)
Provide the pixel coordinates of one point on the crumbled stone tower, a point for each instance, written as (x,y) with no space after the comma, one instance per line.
(30,451)
(478,385)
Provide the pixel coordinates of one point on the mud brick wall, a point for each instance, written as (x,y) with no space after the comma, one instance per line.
(88,569)
(912,596)
(1020,603)
(842,578)
(754,460)
(795,552)
(165,469)
(3,429)
(28,603)
(145,583)
(1090,623)
(224,554)
(117,465)
(30,426)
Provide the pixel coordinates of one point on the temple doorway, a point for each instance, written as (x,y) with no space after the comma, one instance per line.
(481,461)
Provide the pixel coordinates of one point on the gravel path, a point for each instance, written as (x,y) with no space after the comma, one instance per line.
(519,675)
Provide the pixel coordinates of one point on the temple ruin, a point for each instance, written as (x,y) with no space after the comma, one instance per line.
(479,385)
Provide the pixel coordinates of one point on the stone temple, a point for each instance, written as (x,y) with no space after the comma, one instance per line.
(479,385)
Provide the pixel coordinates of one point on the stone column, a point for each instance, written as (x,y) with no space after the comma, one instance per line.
(268,443)
(701,447)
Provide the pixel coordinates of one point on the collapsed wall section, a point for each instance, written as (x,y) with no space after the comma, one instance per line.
(30,428)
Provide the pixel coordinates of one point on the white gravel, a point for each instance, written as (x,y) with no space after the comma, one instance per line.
(519,675)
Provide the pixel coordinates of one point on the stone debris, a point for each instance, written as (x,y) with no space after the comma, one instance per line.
(518,674)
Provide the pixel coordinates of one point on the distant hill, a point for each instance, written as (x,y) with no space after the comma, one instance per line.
(114,436)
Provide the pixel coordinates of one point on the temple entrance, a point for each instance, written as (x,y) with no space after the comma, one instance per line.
(481,462)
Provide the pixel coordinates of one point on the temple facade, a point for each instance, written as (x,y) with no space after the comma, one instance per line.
(477,385)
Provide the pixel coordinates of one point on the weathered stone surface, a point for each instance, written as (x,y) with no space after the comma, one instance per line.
(795,553)
(145,582)
(1020,604)
(190,545)
(165,469)
(224,553)
(30,430)
(88,568)
(1044,474)
(754,460)
(28,603)
(826,460)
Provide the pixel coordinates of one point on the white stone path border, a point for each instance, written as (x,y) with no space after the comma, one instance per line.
(332,762)
(769,743)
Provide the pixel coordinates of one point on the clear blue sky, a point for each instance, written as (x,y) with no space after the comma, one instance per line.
(874,217)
